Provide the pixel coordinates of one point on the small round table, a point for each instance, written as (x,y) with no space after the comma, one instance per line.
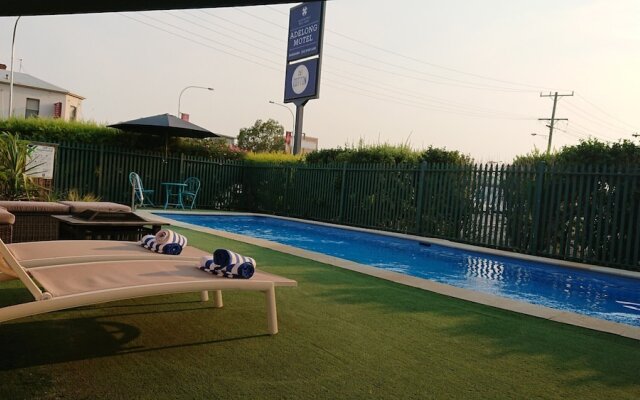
(169,192)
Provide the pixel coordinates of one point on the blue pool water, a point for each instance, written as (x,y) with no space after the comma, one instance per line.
(599,295)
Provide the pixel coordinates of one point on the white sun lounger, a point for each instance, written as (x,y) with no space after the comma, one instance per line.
(36,254)
(85,283)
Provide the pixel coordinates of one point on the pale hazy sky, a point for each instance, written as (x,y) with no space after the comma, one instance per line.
(460,74)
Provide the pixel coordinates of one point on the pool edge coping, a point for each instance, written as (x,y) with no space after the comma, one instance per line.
(504,303)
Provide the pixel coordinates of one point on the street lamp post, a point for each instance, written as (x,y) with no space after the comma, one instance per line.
(293,118)
(13,48)
(189,87)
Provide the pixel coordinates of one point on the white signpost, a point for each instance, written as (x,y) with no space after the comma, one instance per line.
(304,58)
(42,160)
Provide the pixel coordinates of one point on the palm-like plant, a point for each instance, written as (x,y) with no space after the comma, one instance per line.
(15,166)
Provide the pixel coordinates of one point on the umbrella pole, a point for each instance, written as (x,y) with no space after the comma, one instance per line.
(166,147)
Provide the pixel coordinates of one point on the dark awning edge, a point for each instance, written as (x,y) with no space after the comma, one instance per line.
(39,7)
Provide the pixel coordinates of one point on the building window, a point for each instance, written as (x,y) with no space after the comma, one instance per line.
(33,108)
(73,115)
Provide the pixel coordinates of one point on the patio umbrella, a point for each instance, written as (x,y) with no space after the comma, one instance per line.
(164,125)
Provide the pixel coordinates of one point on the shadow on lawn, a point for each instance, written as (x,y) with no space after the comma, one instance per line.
(51,341)
(609,359)
(38,343)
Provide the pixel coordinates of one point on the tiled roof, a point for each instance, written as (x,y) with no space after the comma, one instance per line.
(23,79)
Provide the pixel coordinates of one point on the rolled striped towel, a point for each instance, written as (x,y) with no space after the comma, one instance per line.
(166,236)
(206,262)
(150,242)
(228,264)
(207,265)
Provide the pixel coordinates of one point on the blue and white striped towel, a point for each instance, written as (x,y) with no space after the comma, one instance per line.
(165,242)
(232,265)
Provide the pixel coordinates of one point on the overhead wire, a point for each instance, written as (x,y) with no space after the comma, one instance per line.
(458,82)
(450,107)
(593,119)
(235,38)
(200,43)
(581,97)
(431,64)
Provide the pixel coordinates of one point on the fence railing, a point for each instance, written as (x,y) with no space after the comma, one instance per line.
(580,213)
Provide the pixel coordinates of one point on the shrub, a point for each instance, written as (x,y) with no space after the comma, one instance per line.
(15,165)
(273,158)
(386,154)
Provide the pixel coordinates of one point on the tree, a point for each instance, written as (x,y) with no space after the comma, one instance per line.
(262,137)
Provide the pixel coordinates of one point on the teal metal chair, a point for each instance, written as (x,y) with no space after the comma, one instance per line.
(190,192)
(139,195)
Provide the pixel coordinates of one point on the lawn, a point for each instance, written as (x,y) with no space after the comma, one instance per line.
(342,335)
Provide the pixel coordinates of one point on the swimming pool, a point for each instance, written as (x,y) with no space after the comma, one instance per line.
(610,297)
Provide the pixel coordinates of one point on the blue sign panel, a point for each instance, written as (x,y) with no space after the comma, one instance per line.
(305,30)
(301,81)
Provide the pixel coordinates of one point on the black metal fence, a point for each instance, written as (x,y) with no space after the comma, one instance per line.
(580,213)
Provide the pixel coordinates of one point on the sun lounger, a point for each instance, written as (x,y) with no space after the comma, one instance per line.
(35,254)
(85,283)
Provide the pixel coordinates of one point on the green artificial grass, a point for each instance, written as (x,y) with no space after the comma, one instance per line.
(343,335)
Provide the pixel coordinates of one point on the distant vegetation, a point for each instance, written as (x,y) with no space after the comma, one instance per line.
(59,131)
(260,143)
(588,152)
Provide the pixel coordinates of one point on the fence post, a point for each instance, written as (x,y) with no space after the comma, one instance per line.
(287,183)
(182,177)
(537,203)
(100,170)
(420,202)
(343,191)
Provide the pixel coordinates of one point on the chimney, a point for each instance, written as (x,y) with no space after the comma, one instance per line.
(3,66)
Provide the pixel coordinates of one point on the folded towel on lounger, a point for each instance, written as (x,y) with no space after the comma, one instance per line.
(229,264)
(165,242)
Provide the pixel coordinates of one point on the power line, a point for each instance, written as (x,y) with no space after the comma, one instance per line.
(200,43)
(235,38)
(606,113)
(237,24)
(350,51)
(431,64)
(203,37)
(370,67)
(422,96)
(447,107)
(594,119)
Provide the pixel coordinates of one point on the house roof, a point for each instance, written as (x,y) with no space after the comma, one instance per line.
(39,7)
(26,80)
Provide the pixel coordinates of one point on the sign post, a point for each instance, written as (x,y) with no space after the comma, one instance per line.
(304,60)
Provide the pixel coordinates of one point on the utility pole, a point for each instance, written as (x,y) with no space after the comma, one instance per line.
(553,118)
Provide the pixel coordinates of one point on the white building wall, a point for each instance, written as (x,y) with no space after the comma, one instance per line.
(47,101)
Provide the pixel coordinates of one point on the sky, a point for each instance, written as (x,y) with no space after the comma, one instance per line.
(463,75)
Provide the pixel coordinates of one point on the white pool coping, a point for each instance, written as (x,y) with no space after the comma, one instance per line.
(447,290)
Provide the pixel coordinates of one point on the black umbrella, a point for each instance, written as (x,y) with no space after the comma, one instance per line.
(164,125)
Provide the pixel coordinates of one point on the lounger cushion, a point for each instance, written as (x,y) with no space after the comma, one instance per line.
(6,269)
(72,251)
(76,207)
(35,207)
(82,278)
(6,217)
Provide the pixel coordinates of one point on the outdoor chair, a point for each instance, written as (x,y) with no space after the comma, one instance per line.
(190,192)
(86,283)
(139,195)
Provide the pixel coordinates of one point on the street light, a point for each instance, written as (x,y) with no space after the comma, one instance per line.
(548,144)
(293,118)
(13,48)
(189,87)
(539,134)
